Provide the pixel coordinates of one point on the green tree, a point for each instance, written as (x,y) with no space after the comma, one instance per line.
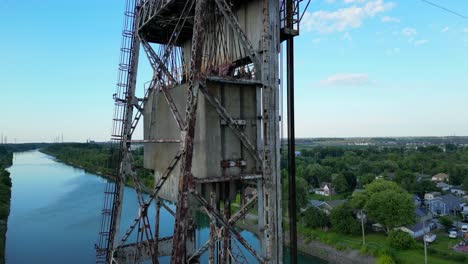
(343,221)
(391,208)
(422,187)
(465,184)
(400,240)
(340,183)
(302,193)
(386,203)
(315,218)
(366,179)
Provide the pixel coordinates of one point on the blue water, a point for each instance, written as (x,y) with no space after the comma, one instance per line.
(55,213)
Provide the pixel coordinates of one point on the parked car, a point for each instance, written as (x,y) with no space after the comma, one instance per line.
(453,234)
(429,238)
(464,228)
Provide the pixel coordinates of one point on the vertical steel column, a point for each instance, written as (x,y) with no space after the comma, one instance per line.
(125,167)
(211,258)
(291,135)
(182,221)
(156,229)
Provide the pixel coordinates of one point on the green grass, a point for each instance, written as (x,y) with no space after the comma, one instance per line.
(439,251)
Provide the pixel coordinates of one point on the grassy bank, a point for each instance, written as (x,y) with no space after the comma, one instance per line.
(439,252)
(100,159)
(6,157)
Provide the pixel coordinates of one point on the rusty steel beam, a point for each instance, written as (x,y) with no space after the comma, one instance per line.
(224,231)
(134,253)
(175,112)
(156,63)
(168,209)
(156,227)
(243,210)
(158,66)
(153,194)
(228,178)
(213,212)
(234,24)
(155,141)
(181,227)
(199,251)
(212,238)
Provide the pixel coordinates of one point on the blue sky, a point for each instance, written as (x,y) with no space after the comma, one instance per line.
(363,68)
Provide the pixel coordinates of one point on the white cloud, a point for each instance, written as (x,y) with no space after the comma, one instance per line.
(409,32)
(465,30)
(387,19)
(343,19)
(445,29)
(346,79)
(420,42)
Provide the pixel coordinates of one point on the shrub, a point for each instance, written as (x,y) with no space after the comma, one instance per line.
(343,221)
(315,218)
(385,259)
(400,240)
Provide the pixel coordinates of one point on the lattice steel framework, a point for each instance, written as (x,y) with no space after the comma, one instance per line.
(229,57)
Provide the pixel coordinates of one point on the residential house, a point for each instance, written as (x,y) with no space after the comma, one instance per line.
(431,195)
(326,206)
(422,214)
(457,191)
(440,177)
(325,189)
(416,230)
(423,223)
(444,205)
(443,186)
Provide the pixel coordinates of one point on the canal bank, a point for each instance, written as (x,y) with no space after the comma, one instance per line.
(6,158)
(55,213)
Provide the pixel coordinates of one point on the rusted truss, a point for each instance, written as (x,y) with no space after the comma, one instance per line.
(220,220)
(255,68)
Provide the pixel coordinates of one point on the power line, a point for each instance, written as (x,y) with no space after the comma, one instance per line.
(445,9)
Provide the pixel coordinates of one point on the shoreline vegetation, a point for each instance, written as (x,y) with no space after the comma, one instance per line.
(6,159)
(353,172)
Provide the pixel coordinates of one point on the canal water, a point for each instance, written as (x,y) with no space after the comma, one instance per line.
(55,213)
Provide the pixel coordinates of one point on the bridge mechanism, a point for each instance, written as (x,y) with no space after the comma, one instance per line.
(211,129)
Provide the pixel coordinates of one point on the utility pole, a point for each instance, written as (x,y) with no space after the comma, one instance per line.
(362,226)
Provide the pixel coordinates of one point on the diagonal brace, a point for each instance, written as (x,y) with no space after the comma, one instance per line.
(232,21)
(156,63)
(213,213)
(243,210)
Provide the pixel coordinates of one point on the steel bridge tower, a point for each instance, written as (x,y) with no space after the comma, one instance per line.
(211,128)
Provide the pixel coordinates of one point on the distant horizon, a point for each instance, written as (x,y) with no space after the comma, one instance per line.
(283,138)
